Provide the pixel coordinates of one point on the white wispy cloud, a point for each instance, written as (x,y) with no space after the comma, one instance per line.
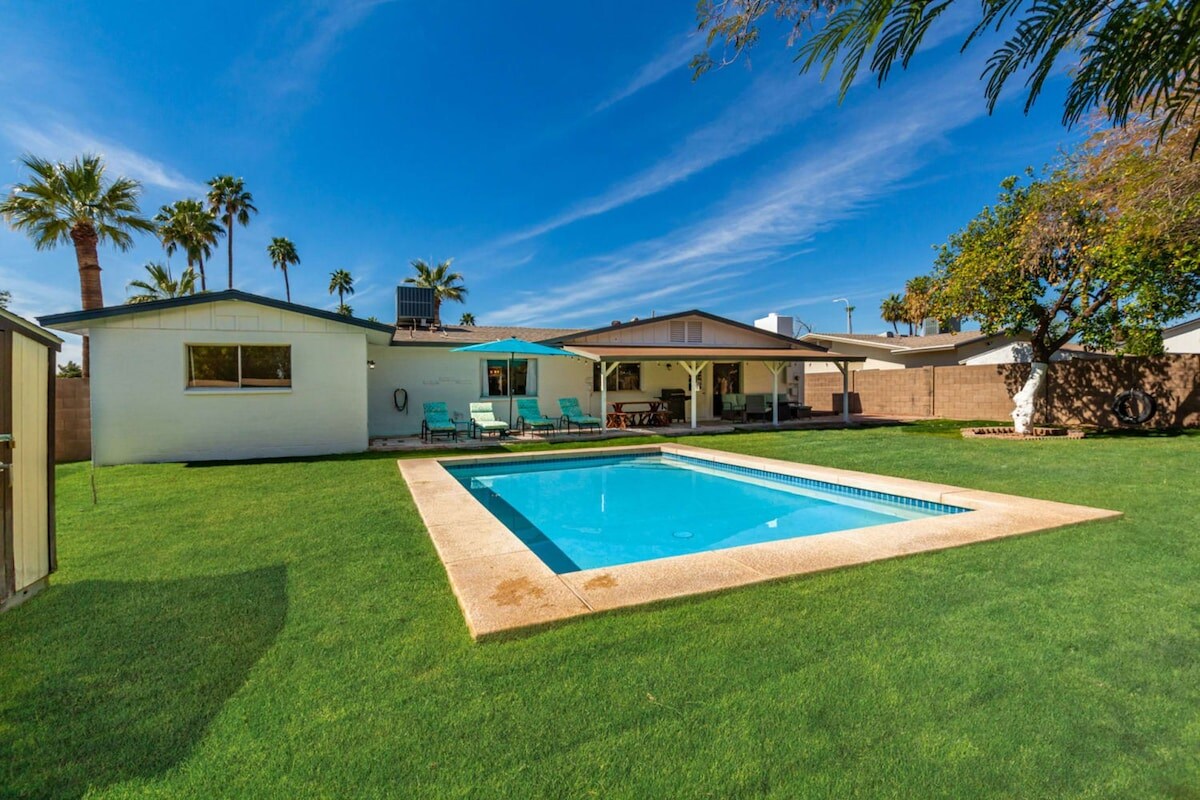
(824,184)
(773,103)
(308,38)
(676,55)
(57,140)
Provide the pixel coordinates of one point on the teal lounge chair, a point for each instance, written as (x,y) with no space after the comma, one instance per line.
(483,421)
(437,422)
(572,414)
(530,417)
(733,406)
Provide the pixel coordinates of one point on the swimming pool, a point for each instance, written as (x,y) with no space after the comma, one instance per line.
(521,535)
(586,512)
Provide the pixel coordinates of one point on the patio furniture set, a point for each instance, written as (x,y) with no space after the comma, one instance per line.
(438,423)
(758,407)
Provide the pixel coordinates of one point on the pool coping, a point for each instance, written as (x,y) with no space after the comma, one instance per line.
(503,587)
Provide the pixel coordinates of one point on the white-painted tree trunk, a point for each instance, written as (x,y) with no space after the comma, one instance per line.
(1023,400)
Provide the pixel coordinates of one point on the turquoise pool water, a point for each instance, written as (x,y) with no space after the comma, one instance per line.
(600,511)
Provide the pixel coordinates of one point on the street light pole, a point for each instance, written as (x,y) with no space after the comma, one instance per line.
(849,314)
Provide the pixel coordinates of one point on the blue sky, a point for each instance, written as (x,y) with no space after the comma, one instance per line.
(560,152)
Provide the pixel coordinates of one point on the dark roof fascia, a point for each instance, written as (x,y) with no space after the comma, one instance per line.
(51,320)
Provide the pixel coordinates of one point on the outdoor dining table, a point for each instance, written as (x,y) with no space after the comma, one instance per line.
(632,412)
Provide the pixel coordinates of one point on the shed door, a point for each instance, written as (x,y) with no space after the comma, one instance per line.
(6,493)
(26,479)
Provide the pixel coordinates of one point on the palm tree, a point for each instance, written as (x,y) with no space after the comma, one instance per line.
(5,298)
(228,198)
(446,285)
(466,319)
(282,253)
(73,202)
(161,286)
(341,282)
(189,225)
(892,311)
(918,300)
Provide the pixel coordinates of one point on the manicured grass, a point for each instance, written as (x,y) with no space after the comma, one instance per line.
(286,630)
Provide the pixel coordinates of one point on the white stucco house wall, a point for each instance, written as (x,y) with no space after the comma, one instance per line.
(1182,338)
(230,375)
(143,408)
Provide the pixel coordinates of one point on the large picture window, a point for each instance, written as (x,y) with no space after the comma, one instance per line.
(235,366)
(495,377)
(625,378)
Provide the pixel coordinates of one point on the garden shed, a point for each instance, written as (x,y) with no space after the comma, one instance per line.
(27,365)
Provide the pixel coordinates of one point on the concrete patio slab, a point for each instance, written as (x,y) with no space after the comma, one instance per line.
(502,586)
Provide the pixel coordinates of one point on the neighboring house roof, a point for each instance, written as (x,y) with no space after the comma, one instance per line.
(1183,327)
(904,344)
(72,317)
(476,334)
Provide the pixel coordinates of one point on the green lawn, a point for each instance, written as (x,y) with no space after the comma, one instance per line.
(286,630)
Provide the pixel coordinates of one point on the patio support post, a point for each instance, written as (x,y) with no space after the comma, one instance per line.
(776,367)
(844,366)
(693,369)
(606,369)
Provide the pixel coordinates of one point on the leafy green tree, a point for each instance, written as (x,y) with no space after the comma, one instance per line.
(341,282)
(1103,248)
(228,199)
(1124,58)
(446,285)
(75,203)
(187,224)
(892,311)
(5,298)
(283,254)
(160,285)
(70,370)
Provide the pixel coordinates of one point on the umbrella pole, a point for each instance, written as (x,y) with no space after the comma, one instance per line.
(510,391)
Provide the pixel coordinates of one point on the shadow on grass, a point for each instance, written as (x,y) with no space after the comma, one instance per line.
(105,681)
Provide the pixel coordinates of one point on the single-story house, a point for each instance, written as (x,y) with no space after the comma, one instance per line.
(232,375)
(1182,338)
(885,351)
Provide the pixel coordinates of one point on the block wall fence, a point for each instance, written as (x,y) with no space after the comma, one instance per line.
(1078,392)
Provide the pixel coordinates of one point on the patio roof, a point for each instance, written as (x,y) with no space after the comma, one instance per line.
(607,352)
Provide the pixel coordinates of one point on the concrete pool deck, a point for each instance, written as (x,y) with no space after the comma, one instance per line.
(502,586)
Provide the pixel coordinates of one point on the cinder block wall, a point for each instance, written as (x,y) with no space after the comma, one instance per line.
(72,420)
(1078,392)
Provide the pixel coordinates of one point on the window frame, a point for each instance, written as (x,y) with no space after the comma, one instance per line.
(240,388)
(614,376)
(531,378)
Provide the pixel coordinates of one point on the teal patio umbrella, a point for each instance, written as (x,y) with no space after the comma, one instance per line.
(512,347)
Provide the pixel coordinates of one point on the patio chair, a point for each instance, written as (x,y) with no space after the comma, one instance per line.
(437,422)
(483,421)
(572,414)
(733,406)
(756,407)
(530,417)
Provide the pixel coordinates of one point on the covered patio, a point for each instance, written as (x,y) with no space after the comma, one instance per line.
(693,359)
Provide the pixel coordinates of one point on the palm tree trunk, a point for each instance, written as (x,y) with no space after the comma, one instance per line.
(437,310)
(286,288)
(229,241)
(91,293)
(203,280)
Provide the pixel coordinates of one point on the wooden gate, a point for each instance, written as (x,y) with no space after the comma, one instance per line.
(27,554)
